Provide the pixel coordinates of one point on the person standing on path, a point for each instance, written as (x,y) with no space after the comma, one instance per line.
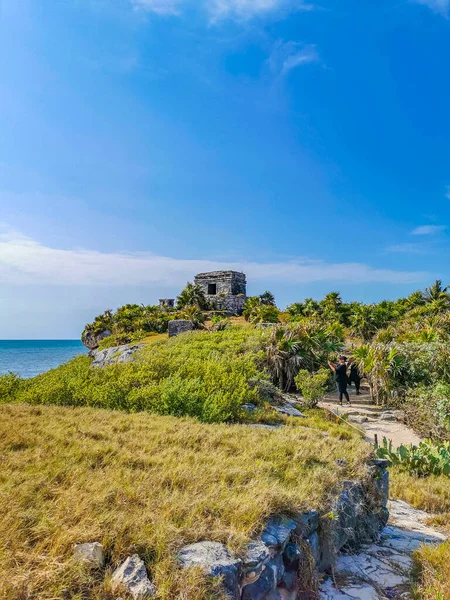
(340,371)
(355,378)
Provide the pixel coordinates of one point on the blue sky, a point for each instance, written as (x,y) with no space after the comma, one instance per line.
(142,141)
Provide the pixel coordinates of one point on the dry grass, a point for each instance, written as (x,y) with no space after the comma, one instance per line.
(148,484)
(432,563)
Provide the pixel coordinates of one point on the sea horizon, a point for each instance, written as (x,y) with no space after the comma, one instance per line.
(30,357)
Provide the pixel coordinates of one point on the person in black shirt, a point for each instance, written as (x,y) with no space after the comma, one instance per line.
(355,378)
(340,371)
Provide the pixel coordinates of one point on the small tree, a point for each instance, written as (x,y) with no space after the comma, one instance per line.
(312,385)
(267,299)
(194,314)
(192,295)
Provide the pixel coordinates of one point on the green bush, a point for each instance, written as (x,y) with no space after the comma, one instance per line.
(9,386)
(204,375)
(313,386)
(428,458)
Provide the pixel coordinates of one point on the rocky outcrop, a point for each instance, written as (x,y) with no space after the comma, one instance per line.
(180,326)
(215,561)
(132,578)
(90,553)
(271,567)
(382,569)
(92,340)
(110,356)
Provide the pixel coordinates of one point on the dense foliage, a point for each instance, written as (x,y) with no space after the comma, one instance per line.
(204,375)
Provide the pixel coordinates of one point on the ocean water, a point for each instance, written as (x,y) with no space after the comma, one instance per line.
(29,358)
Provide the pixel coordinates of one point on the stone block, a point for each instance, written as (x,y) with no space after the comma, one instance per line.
(180,326)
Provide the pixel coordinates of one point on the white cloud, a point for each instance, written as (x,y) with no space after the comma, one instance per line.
(286,56)
(220,9)
(407,248)
(428,229)
(24,261)
(441,7)
(160,7)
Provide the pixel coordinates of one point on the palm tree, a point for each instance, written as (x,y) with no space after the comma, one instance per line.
(263,313)
(362,321)
(194,314)
(268,299)
(290,348)
(192,295)
(381,364)
(436,292)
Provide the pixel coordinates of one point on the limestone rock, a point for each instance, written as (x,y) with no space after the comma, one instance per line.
(291,556)
(110,356)
(307,523)
(91,553)
(249,407)
(180,326)
(216,561)
(314,545)
(289,411)
(132,576)
(92,340)
(277,532)
(266,584)
(254,561)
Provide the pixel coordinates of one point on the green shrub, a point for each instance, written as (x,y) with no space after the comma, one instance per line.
(313,386)
(9,386)
(428,458)
(204,375)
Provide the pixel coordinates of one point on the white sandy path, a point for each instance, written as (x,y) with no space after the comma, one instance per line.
(362,408)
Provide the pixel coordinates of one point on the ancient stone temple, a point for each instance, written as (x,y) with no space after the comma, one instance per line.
(167,302)
(224,290)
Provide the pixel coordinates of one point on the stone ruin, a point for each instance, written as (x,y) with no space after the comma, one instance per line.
(167,303)
(225,290)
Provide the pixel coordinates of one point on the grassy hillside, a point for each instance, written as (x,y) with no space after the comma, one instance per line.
(203,375)
(149,484)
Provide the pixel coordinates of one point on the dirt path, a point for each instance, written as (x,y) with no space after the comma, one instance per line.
(374,420)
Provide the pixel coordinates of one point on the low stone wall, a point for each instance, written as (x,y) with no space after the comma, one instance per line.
(275,565)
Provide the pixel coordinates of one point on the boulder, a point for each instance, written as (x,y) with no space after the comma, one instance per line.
(110,356)
(260,589)
(277,532)
(132,577)
(91,553)
(307,523)
(216,561)
(289,411)
(180,326)
(92,340)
